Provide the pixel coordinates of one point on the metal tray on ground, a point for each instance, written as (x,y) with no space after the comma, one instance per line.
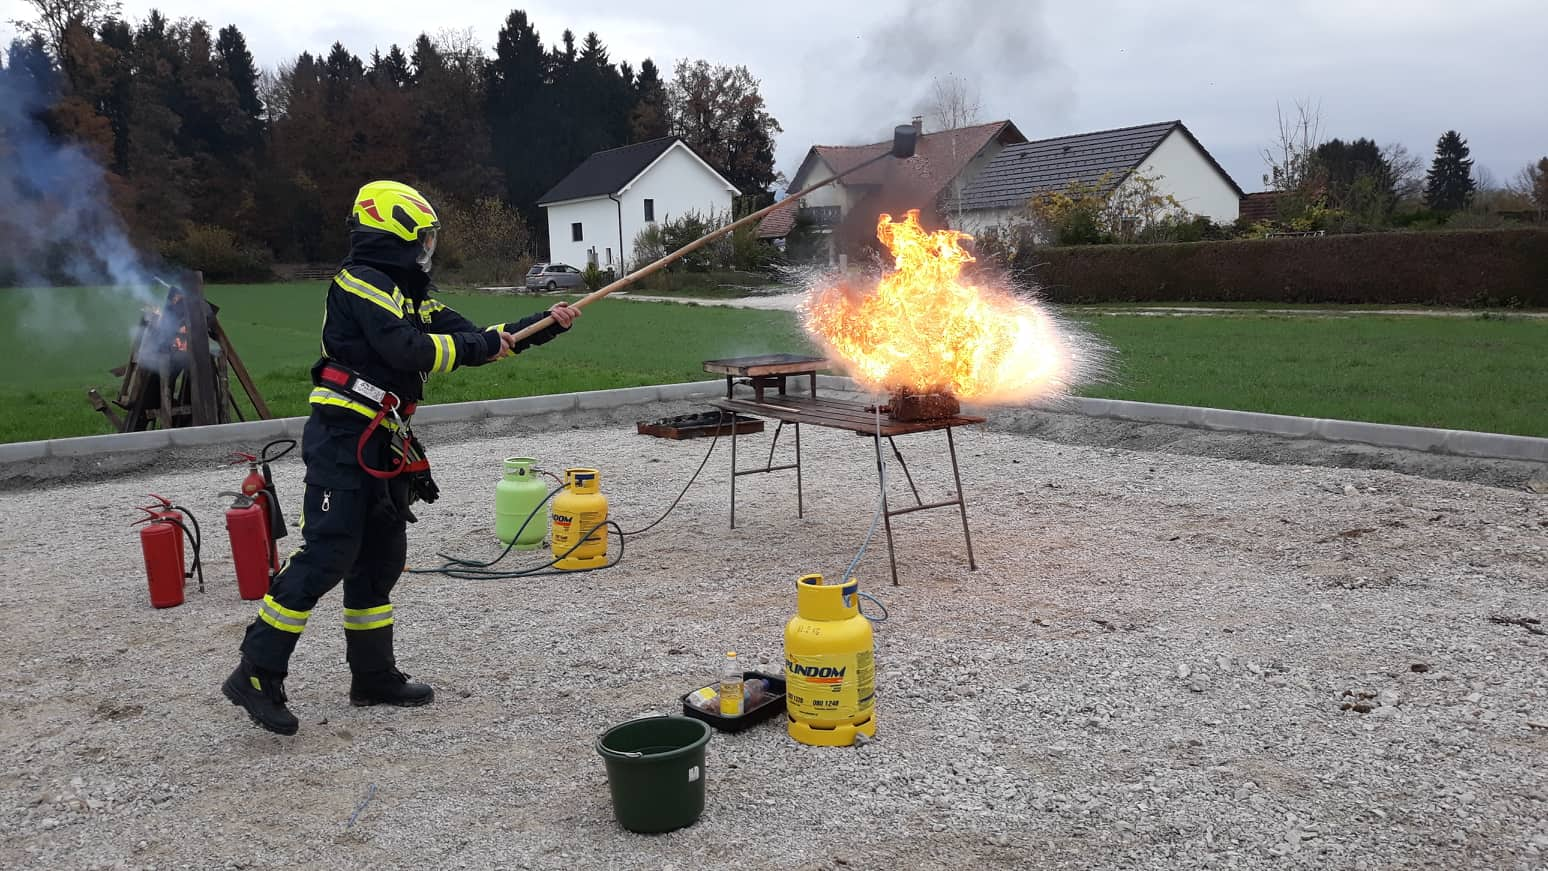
(709,423)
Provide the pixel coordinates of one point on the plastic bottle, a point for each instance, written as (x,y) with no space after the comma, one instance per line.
(755,691)
(731,686)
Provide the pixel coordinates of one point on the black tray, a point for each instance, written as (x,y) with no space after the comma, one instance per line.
(772,705)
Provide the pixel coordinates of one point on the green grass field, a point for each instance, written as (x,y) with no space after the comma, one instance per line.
(1485,373)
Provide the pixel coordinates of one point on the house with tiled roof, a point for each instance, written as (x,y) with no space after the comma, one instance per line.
(846,211)
(1167,153)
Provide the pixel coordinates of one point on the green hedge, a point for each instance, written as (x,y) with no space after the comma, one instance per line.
(1452,268)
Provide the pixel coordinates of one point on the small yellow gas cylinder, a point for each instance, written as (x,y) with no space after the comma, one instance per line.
(579,511)
(830,671)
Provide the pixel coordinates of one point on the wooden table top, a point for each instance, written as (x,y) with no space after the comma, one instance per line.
(838,414)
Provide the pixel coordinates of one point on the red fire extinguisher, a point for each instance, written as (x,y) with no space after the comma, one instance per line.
(248,527)
(259,487)
(161,542)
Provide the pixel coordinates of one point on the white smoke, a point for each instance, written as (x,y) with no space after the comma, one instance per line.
(57,223)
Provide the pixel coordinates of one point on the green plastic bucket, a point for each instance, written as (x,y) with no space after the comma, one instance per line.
(655,772)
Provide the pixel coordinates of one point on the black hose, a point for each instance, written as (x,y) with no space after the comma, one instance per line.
(263,455)
(702,463)
(545,570)
(193,538)
(198,535)
(458,561)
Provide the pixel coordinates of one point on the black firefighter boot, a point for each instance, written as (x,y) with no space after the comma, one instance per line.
(262,694)
(376,679)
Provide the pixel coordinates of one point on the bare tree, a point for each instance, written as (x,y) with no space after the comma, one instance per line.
(274,90)
(954,102)
(1531,184)
(1289,159)
(54,16)
(1407,171)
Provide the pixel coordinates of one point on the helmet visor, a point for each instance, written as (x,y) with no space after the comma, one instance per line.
(426,248)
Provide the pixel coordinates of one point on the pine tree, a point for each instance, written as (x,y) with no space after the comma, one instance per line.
(160,176)
(236,63)
(517,109)
(1449,184)
(118,103)
(648,116)
(750,163)
(395,66)
(603,120)
(451,143)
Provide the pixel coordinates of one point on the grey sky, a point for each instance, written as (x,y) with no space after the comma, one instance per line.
(843,72)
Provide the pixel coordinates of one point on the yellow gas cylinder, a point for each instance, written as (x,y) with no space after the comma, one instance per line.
(830,671)
(578,513)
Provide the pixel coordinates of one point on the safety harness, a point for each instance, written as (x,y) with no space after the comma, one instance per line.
(386,406)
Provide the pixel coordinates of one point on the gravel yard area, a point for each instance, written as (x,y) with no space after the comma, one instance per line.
(1163,661)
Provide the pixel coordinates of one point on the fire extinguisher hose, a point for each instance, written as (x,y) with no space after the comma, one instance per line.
(194,538)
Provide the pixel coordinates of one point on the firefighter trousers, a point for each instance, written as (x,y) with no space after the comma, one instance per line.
(353,535)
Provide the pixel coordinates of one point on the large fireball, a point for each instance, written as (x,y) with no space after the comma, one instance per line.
(923,327)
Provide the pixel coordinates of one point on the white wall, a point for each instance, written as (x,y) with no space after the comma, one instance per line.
(1188,175)
(678,183)
(598,218)
(976,220)
(832,195)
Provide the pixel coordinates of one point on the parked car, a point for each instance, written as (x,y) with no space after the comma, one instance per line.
(552,276)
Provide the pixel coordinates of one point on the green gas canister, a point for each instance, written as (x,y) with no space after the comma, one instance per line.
(517,498)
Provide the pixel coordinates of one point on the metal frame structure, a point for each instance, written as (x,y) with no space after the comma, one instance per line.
(857,418)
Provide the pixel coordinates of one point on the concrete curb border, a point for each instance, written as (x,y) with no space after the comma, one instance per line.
(1441,441)
(291,427)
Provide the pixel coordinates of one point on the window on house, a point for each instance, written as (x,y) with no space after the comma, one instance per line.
(650,210)
(575,232)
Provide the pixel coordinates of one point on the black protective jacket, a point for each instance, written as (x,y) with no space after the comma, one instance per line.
(382,322)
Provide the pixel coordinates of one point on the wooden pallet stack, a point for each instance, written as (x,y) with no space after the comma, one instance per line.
(180,367)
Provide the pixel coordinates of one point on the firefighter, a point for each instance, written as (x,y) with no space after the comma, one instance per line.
(383,334)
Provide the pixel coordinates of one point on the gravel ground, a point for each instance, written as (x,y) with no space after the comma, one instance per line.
(1164,661)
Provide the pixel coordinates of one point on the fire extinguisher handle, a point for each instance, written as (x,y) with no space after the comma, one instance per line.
(149,515)
(165,502)
(238,458)
(243,500)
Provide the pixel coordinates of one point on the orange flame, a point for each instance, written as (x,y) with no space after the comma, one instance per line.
(925,328)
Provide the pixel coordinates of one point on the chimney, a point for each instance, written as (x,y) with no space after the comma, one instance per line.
(919,123)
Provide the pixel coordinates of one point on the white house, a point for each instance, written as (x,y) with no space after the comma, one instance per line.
(595,212)
(1167,152)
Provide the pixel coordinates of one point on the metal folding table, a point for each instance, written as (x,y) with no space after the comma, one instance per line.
(770,371)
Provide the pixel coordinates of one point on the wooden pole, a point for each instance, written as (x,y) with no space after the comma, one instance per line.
(200,374)
(657,266)
(241,372)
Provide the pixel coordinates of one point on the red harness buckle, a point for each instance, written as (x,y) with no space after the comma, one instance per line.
(387,403)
